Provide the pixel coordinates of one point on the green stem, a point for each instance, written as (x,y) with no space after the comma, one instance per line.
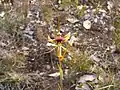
(61,76)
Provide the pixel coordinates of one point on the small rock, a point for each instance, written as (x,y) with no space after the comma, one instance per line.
(26,53)
(56,74)
(59,1)
(87,24)
(112,28)
(95,20)
(102,10)
(80,7)
(48,67)
(94,58)
(25,48)
(29,32)
(50,44)
(110,5)
(72,40)
(3,44)
(86,78)
(84,86)
(2,14)
(72,20)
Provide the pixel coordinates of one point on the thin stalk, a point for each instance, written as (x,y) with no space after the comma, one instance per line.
(58,24)
(61,76)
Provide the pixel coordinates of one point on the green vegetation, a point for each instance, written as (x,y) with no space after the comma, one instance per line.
(80,62)
(116,33)
(10,23)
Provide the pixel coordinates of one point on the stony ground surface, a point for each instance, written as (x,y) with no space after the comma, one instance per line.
(92,32)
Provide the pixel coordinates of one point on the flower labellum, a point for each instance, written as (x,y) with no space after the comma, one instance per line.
(59,39)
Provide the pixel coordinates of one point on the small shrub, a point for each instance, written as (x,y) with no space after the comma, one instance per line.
(79,62)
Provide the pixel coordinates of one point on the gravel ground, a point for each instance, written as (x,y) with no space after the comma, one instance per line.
(91,24)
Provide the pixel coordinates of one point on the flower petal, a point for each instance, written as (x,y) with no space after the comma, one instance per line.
(50,40)
(67,37)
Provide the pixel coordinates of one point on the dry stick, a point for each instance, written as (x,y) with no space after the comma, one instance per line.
(49,51)
(106,87)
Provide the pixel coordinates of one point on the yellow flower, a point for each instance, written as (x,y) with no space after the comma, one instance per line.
(58,41)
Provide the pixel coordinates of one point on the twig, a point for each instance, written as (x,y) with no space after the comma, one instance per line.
(105,87)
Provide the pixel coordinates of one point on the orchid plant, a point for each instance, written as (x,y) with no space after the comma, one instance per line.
(61,51)
(58,43)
